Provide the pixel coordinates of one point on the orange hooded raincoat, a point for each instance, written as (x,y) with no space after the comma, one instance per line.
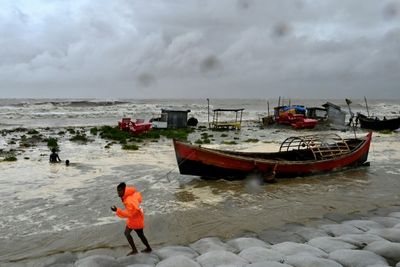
(132,211)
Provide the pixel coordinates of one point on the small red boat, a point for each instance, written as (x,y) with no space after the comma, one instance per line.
(297,156)
(138,127)
(294,116)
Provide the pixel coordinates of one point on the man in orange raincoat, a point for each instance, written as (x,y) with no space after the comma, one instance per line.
(134,214)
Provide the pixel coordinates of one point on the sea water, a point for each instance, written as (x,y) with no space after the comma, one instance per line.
(48,208)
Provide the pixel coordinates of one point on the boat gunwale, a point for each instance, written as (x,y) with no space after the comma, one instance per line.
(362,143)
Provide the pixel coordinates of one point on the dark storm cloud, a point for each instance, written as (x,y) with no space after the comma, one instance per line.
(199,48)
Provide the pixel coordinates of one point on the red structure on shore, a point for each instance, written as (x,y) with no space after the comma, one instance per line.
(137,127)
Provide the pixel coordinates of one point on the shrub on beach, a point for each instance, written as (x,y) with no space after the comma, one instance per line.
(10,158)
(113,133)
(79,138)
(30,141)
(94,130)
(181,134)
(198,141)
(7,155)
(32,131)
(130,147)
(252,140)
(52,143)
(229,143)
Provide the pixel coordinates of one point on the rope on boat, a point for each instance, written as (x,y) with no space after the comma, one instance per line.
(179,164)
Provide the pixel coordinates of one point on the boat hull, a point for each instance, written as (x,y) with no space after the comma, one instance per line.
(215,164)
(379,125)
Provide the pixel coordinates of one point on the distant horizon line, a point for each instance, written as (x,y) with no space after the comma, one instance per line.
(190,98)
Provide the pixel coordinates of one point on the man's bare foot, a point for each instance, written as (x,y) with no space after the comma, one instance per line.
(133,252)
(147,250)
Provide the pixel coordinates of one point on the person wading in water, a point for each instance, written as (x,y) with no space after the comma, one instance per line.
(54,158)
(134,214)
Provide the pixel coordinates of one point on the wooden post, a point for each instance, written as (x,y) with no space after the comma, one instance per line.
(366,104)
(208,108)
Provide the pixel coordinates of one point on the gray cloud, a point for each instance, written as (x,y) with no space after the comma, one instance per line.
(200,48)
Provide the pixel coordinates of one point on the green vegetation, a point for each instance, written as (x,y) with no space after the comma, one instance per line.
(71,130)
(61,133)
(130,147)
(79,138)
(113,133)
(385,132)
(198,141)
(94,130)
(30,141)
(181,134)
(252,140)
(229,142)
(32,131)
(224,135)
(52,143)
(10,158)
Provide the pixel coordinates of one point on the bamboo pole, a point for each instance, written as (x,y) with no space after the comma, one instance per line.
(366,104)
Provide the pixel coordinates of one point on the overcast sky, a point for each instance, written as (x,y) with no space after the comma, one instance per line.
(200,48)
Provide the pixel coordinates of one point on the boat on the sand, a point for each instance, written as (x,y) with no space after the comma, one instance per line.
(297,156)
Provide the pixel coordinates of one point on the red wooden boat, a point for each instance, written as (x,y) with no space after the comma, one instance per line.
(297,156)
(294,116)
(138,127)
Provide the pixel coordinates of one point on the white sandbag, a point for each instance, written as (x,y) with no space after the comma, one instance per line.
(171,251)
(387,249)
(356,258)
(220,257)
(97,261)
(364,225)
(360,240)
(391,234)
(178,261)
(329,244)
(257,254)
(291,248)
(306,260)
(268,264)
(386,221)
(273,236)
(340,229)
(141,258)
(242,243)
(208,244)
(308,233)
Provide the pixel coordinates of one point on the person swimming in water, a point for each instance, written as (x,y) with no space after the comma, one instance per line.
(54,158)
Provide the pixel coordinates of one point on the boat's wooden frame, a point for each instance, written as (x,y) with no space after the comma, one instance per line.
(312,155)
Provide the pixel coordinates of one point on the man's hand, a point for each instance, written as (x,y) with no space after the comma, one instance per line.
(114,208)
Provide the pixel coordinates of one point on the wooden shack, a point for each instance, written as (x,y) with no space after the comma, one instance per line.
(335,115)
(175,118)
